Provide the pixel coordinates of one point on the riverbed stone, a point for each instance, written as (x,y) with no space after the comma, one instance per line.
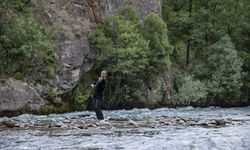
(132,122)
(220,122)
(8,123)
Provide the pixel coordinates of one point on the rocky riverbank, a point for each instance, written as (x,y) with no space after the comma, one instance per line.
(141,129)
(86,122)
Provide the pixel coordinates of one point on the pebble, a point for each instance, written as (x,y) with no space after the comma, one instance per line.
(132,122)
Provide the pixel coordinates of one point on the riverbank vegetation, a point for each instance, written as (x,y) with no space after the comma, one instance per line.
(207,45)
(133,51)
(211,46)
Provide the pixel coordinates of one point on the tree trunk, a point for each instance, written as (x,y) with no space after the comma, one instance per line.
(188,53)
(189,39)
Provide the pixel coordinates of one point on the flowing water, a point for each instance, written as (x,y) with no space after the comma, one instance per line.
(235,135)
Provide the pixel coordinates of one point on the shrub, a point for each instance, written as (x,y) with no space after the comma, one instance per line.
(24,47)
(190,90)
(81,97)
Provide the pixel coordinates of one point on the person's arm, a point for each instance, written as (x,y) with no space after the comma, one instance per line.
(94,84)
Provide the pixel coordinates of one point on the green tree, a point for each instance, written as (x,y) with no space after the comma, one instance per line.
(225,70)
(125,52)
(131,51)
(178,15)
(155,32)
(196,28)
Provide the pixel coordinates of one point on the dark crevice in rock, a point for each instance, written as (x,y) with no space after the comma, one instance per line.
(95,10)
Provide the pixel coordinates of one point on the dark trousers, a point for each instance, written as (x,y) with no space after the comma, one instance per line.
(97,108)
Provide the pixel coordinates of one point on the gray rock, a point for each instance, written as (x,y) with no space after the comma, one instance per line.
(181,122)
(220,122)
(58,125)
(19,95)
(132,122)
(8,123)
(119,119)
(203,123)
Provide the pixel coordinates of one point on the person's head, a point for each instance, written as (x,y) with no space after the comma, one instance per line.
(104,74)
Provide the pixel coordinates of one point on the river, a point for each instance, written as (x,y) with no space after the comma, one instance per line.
(137,129)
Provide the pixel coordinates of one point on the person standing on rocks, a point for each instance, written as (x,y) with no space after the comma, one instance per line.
(98,96)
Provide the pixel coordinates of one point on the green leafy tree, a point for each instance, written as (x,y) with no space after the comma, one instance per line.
(154,30)
(125,52)
(131,51)
(178,14)
(195,25)
(222,72)
(225,70)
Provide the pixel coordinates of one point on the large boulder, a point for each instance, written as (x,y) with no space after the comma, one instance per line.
(16,95)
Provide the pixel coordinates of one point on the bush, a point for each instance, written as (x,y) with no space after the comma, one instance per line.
(24,47)
(190,90)
(17,6)
(81,97)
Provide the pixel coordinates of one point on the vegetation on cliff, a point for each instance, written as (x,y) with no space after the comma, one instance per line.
(25,49)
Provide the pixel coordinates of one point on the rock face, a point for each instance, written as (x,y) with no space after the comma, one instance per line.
(68,23)
(16,95)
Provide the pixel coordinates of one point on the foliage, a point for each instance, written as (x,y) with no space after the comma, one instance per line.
(81,97)
(24,47)
(52,94)
(129,52)
(154,31)
(225,70)
(199,25)
(190,90)
(128,13)
(222,72)
(18,6)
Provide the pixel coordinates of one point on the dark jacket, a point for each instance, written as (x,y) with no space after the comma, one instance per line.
(99,89)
